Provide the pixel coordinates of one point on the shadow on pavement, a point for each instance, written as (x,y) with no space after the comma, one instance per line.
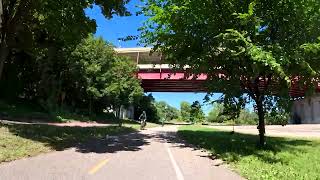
(229,147)
(83,139)
(106,139)
(112,144)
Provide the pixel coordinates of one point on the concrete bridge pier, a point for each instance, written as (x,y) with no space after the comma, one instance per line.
(306,111)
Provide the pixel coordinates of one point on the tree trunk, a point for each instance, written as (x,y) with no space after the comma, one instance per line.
(118,116)
(90,106)
(261,126)
(4,52)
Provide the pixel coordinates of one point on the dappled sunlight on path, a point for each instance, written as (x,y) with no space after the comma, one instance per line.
(155,153)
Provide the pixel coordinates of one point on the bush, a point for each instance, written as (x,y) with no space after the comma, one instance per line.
(248,118)
(277,119)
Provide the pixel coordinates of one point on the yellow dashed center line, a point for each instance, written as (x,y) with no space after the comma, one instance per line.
(96,168)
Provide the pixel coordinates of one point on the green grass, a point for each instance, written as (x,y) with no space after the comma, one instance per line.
(14,147)
(282,158)
(66,116)
(32,112)
(18,141)
(26,111)
(22,110)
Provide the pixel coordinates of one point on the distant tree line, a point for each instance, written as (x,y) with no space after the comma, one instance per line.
(165,112)
(193,113)
(246,116)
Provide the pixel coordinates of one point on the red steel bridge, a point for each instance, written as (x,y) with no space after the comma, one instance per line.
(156,76)
(159,77)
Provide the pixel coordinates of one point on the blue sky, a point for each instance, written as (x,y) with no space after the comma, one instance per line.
(174,99)
(119,27)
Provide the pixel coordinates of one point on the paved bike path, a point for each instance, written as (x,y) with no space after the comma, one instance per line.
(153,154)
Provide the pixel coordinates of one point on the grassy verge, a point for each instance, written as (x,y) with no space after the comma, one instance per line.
(32,112)
(283,158)
(22,110)
(18,141)
(28,112)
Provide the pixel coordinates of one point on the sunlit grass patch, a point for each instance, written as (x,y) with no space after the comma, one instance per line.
(18,140)
(282,158)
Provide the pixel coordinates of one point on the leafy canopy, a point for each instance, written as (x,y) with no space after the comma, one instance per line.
(166,112)
(105,75)
(33,26)
(243,40)
(196,113)
(247,48)
(185,109)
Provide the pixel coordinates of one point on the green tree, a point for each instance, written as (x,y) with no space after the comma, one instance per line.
(247,48)
(185,109)
(279,118)
(165,111)
(107,78)
(216,113)
(93,59)
(172,113)
(219,115)
(124,88)
(26,25)
(196,113)
(161,109)
(247,117)
(146,103)
(36,40)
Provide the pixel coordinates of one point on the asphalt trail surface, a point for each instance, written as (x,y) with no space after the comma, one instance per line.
(152,154)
